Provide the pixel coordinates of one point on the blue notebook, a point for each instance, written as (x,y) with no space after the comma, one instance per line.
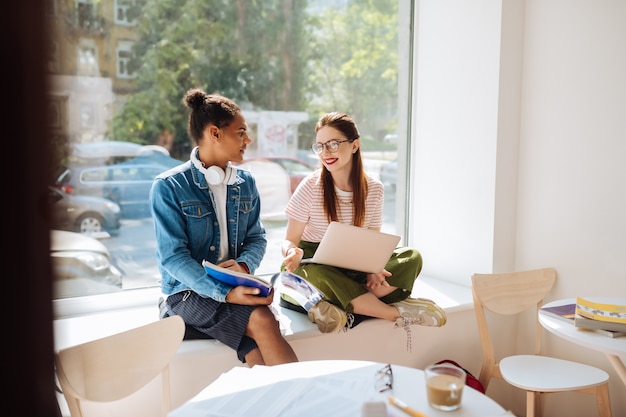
(305,293)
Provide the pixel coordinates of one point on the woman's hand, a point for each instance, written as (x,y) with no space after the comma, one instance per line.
(292,258)
(242,294)
(375,281)
(248,296)
(232,264)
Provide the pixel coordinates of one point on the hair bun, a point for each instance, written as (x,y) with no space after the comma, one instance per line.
(195,98)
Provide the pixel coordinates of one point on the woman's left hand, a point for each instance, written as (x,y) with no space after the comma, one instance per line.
(293,258)
(232,264)
(375,281)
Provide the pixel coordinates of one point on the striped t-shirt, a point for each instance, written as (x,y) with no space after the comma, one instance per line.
(307,205)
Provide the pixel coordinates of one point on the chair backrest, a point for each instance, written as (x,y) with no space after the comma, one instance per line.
(112,368)
(507,294)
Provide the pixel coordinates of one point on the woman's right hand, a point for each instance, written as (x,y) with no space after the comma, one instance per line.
(248,296)
(293,258)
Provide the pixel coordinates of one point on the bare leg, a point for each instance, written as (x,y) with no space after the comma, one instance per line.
(273,348)
(370,305)
(254,357)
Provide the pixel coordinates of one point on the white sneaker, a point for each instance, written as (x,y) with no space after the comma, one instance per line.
(420,311)
(328,317)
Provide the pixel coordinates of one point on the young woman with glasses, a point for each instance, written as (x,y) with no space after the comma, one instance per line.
(342,191)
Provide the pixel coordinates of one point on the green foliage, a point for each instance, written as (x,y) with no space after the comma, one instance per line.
(266,55)
(246,50)
(356,70)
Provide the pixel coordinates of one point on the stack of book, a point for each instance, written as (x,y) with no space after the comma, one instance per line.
(607,319)
(598,316)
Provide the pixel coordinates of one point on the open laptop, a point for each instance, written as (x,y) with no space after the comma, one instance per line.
(356,248)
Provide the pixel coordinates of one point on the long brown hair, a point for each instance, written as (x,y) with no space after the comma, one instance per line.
(344,123)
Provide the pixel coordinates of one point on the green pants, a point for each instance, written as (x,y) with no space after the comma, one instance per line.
(340,286)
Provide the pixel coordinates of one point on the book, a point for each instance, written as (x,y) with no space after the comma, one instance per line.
(302,291)
(613,313)
(235,278)
(564,312)
(607,328)
(567,313)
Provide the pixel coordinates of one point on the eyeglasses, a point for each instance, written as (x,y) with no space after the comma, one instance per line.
(384,379)
(331,145)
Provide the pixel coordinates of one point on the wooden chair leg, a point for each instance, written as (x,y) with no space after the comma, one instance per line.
(531,397)
(602,400)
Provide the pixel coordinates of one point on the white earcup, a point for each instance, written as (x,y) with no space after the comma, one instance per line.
(230,175)
(214,175)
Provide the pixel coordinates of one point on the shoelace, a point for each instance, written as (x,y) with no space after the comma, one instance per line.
(405,323)
(349,322)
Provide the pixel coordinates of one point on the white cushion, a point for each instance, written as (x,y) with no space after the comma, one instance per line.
(547,374)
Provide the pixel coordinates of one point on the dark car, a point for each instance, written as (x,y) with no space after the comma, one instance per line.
(127,183)
(296,168)
(81,265)
(83,214)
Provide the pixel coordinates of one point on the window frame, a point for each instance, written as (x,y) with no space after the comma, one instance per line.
(139,297)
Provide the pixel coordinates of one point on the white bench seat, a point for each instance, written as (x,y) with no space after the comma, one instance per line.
(199,362)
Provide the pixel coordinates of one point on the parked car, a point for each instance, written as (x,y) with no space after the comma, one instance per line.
(81,265)
(389,174)
(110,152)
(127,183)
(83,214)
(296,168)
(391,138)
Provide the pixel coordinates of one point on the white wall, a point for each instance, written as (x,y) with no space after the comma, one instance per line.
(518,162)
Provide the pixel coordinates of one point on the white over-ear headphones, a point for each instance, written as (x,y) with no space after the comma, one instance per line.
(214,175)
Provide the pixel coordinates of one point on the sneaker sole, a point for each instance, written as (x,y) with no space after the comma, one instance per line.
(430,308)
(328,317)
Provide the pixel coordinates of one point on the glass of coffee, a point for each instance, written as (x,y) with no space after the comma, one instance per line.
(444,386)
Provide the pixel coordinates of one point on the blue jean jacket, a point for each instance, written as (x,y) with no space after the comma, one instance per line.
(187,229)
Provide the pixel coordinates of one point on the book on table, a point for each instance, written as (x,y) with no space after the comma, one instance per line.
(606,328)
(610,313)
(302,291)
(567,313)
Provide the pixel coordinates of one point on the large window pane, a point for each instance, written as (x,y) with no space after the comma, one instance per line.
(285,62)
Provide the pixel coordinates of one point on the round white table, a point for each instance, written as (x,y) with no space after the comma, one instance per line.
(613,348)
(334,388)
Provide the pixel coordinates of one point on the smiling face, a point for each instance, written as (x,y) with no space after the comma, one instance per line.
(341,159)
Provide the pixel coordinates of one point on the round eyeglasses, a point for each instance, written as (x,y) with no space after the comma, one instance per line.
(331,145)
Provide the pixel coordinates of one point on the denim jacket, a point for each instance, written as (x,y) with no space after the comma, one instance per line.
(187,229)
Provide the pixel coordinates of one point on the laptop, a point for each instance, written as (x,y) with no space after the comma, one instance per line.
(356,248)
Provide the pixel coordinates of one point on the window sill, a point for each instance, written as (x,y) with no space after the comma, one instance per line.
(81,319)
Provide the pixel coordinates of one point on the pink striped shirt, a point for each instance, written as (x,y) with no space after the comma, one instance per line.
(307,205)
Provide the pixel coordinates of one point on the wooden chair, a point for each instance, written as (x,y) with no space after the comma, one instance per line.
(513,293)
(97,378)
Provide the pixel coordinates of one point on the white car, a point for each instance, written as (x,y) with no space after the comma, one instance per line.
(81,265)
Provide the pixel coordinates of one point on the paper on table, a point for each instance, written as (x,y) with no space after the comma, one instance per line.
(337,396)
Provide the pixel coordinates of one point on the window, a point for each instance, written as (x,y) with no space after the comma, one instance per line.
(87,58)
(87,14)
(284,67)
(124,12)
(124,56)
